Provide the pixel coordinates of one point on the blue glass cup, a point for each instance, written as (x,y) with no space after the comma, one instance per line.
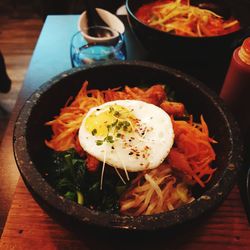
(85,49)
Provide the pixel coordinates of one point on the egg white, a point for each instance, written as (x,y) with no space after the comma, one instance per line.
(142,149)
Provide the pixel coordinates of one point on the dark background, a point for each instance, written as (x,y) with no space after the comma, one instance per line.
(42,8)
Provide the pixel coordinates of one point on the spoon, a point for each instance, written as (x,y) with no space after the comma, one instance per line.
(94,19)
(218,7)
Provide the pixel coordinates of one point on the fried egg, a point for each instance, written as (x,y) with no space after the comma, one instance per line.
(127,134)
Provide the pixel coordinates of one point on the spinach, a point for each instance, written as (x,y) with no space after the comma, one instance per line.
(70,177)
(69,171)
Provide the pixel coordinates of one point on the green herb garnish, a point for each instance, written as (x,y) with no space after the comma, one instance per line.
(99,142)
(94,131)
(109,139)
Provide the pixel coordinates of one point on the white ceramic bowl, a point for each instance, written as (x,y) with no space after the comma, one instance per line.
(112,21)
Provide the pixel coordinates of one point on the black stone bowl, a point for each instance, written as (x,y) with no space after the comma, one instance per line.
(32,155)
(174,48)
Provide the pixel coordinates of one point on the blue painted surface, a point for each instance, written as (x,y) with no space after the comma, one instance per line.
(52,52)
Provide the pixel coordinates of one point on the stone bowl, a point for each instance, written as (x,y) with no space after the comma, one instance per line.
(32,155)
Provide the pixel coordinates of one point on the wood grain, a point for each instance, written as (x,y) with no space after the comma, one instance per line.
(29,227)
(17,41)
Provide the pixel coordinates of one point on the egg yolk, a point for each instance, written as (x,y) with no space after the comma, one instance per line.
(111,120)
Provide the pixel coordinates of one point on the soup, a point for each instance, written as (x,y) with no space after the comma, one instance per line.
(182,19)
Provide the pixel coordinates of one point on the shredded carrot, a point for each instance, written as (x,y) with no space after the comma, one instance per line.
(193,153)
(65,126)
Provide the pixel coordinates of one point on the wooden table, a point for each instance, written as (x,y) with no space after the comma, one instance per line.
(29,227)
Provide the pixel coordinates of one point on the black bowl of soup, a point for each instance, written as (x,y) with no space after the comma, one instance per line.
(195,177)
(179,31)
